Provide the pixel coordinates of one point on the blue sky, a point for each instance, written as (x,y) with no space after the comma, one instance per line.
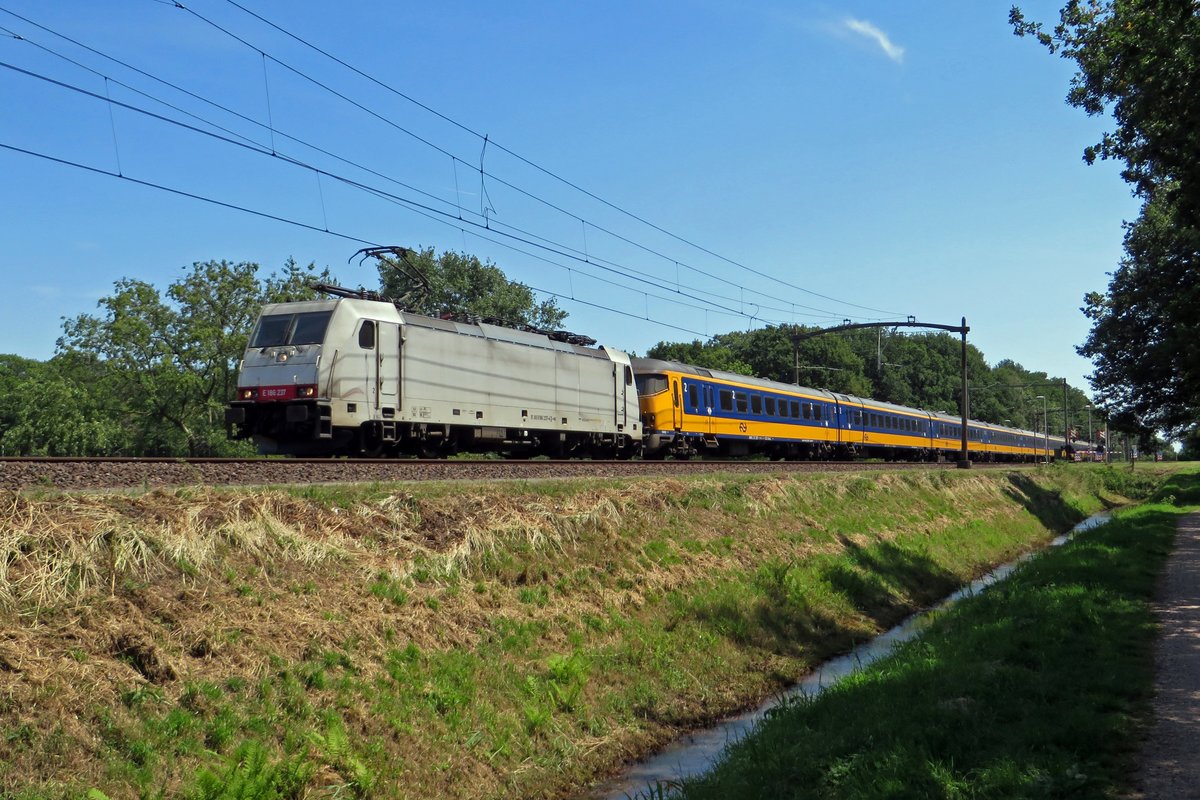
(846,161)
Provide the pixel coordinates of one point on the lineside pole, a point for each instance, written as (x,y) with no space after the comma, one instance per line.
(798,337)
(964,461)
(1066,422)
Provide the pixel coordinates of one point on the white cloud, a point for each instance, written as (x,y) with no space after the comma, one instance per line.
(863,28)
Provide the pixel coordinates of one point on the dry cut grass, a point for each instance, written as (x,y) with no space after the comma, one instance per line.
(521,634)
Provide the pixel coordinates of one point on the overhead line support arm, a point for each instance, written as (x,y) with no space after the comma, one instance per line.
(964,461)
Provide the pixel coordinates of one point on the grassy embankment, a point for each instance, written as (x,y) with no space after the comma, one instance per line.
(507,640)
(1035,689)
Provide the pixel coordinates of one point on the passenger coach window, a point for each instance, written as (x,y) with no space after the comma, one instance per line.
(807,410)
(770,406)
(795,409)
(756,404)
(741,402)
(817,410)
(726,400)
(693,395)
(366,335)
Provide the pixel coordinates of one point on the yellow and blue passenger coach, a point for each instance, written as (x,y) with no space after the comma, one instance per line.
(688,411)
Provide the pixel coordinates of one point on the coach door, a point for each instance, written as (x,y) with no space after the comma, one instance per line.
(676,405)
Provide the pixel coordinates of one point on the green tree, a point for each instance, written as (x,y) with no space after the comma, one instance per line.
(462,284)
(1191,446)
(56,408)
(1145,329)
(1139,59)
(170,362)
(701,354)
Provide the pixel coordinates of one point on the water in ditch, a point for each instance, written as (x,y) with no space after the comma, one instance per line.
(696,752)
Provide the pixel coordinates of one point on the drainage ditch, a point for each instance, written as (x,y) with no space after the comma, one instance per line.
(695,753)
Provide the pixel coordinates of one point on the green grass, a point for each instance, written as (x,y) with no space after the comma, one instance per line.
(594,620)
(1033,689)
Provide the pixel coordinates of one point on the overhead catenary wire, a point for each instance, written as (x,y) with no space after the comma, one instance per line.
(561,250)
(485,138)
(489,222)
(547,245)
(550,173)
(193,95)
(412,205)
(297,223)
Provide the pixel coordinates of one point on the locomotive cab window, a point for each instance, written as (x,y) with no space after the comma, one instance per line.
(275,330)
(650,384)
(366,335)
(628,375)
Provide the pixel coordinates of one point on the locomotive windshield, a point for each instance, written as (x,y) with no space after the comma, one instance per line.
(650,384)
(275,330)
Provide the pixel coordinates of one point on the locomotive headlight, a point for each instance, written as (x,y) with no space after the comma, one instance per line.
(306,391)
(248,394)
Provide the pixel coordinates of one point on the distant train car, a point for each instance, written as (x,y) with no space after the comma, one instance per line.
(359,377)
(885,430)
(689,411)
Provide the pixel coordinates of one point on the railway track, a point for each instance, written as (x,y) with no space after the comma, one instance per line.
(130,473)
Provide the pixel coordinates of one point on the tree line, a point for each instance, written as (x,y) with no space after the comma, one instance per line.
(150,373)
(1136,61)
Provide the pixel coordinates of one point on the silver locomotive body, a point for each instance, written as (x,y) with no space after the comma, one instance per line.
(359,377)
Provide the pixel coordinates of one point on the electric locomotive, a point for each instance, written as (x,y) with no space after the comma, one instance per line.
(355,375)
